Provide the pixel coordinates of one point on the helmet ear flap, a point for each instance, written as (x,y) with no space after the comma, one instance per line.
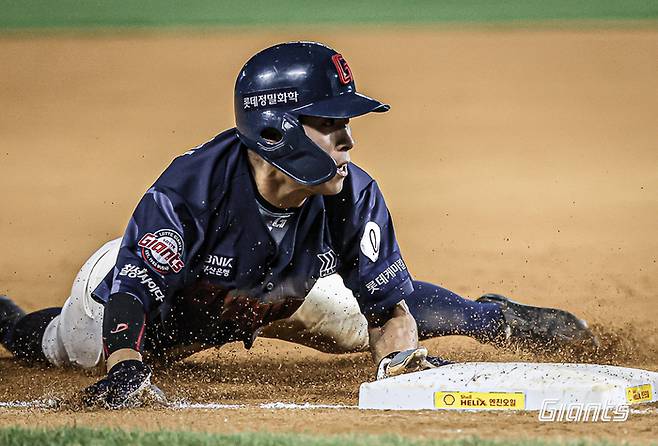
(278,138)
(295,154)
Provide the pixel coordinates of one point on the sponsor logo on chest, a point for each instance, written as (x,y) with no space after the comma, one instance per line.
(219,266)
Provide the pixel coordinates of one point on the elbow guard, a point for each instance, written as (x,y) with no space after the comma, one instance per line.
(124,323)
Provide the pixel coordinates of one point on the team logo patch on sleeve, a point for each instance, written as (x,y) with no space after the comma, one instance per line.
(163,250)
(371,241)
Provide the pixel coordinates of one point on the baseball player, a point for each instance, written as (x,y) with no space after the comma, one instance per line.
(268,229)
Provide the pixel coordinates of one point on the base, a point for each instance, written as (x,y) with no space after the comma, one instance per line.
(510,386)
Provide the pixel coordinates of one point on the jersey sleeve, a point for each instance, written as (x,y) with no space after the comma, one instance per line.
(370,260)
(160,238)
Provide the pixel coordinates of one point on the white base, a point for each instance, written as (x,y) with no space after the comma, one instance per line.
(511,386)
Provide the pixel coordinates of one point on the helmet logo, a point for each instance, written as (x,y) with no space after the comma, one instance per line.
(277,97)
(344,72)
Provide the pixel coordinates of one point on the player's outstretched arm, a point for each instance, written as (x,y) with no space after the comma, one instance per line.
(394,345)
(124,323)
(397,334)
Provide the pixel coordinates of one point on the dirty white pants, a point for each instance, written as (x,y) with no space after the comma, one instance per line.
(328,320)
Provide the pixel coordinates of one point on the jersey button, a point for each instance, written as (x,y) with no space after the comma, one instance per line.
(269,286)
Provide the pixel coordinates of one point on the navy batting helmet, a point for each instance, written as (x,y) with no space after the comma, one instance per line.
(288,80)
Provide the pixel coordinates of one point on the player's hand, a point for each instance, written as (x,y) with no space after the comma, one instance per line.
(407,361)
(122,386)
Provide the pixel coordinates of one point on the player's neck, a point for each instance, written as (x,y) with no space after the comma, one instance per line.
(274,186)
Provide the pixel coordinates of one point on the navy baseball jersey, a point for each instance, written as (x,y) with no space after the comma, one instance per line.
(212,264)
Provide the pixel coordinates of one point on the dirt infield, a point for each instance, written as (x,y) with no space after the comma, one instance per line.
(513,161)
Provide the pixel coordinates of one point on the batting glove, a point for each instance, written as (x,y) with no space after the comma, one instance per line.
(408,361)
(122,386)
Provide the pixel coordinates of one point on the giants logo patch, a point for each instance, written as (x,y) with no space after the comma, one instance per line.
(163,250)
(344,72)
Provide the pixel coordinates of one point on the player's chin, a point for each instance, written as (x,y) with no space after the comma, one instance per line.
(332,187)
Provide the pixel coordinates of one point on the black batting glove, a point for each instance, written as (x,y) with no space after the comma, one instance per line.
(121,387)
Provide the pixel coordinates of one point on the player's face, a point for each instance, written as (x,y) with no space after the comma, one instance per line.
(334,136)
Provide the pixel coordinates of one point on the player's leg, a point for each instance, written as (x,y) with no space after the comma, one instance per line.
(497,320)
(21,333)
(71,335)
(75,337)
(440,312)
(329,320)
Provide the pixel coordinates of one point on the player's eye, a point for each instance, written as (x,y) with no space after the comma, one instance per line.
(329,122)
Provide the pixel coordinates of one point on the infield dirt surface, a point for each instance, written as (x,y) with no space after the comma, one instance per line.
(513,161)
